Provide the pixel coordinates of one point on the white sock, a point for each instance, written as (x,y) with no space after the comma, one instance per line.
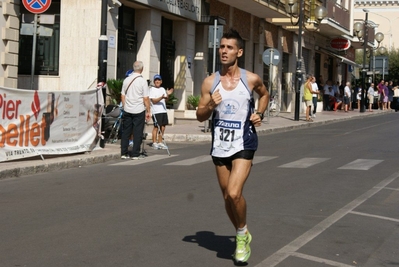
(242,231)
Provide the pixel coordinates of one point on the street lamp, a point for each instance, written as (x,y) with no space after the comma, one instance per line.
(317,14)
(360,30)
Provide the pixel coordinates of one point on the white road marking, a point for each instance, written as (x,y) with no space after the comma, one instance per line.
(320,260)
(312,233)
(128,162)
(361,164)
(192,161)
(304,163)
(259,159)
(390,188)
(374,216)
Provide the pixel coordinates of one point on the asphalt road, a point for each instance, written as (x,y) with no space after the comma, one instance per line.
(320,196)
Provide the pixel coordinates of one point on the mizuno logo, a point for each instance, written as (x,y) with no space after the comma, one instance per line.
(228,124)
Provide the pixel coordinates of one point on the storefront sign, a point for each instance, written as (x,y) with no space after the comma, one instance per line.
(190,9)
(340,44)
(47,123)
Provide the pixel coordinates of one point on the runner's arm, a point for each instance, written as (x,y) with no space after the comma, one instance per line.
(208,102)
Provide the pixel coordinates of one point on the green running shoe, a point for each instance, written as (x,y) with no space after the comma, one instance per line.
(243,250)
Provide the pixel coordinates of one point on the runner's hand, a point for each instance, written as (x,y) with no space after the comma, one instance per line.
(216,98)
(255,119)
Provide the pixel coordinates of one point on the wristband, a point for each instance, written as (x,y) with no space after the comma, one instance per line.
(261,115)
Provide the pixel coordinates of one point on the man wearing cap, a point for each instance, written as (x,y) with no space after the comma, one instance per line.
(158,95)
(136,106)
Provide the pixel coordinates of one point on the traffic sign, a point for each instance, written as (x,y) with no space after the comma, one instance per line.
(271,56)
(36,6)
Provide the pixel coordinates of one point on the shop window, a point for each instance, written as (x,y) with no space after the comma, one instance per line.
(285,69)
(127,41)
(168,51)
(218,65)
(47,43)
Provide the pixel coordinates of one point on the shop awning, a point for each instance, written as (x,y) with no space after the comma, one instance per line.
(343,59)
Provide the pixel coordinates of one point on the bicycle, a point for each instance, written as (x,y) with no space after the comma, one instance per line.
(274,106)
(114,133)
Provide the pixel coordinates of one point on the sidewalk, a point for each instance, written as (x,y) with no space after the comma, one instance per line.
(183,131)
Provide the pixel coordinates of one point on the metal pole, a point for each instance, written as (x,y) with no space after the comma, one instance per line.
(103,45)
(372,51)
(271,71)
(383,68)
(33,53)
(366,35)
(214,45)
(299,63)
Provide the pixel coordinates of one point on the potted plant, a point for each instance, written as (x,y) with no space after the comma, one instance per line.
(171,101)
(115,89)
(193,101)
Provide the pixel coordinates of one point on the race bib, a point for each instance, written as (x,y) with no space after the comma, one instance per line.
(227,134)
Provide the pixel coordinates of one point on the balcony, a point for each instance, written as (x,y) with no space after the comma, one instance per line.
(337,22)
(259,8)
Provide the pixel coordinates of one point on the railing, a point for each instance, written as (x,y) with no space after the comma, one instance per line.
(339,14)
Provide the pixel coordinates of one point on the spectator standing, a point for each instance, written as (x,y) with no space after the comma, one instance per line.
(370,96)
(380,88)
(347,96)
(390,94)
(158,97)
(385,93)
(359,96)
(326,96)
(308,95)
(315,96)
(136,106)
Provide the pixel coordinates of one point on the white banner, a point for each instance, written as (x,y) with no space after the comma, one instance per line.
(47,123)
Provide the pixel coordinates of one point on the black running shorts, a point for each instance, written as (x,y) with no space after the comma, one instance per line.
(243,154)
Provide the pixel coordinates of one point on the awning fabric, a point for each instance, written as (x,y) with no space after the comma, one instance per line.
(343,59)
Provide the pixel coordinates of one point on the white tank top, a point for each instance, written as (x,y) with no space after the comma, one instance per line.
(232,130)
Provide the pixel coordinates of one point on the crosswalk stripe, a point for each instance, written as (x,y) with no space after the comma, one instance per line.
(304,163)
(191,161)
(129,162)
(259,159)
(361,164)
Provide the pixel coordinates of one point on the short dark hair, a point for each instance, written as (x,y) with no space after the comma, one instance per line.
(233,34)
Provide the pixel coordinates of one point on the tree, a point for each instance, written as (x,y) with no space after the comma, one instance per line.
(393,58)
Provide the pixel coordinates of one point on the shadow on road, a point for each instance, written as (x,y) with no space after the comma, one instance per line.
(224,246)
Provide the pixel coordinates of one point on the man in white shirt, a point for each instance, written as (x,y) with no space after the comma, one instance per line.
(347,95)
(315,96)
(370,96)
(136,106)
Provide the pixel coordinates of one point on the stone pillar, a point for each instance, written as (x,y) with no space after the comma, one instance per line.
(9,32)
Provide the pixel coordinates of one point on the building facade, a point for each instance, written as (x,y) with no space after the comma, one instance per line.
(9,32)
(384,15)
(172,38)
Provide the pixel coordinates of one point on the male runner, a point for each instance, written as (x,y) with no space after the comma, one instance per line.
(228,94)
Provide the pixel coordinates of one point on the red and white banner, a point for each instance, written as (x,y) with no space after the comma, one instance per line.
(48,123)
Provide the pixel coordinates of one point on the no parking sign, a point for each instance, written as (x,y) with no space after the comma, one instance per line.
(36,6)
